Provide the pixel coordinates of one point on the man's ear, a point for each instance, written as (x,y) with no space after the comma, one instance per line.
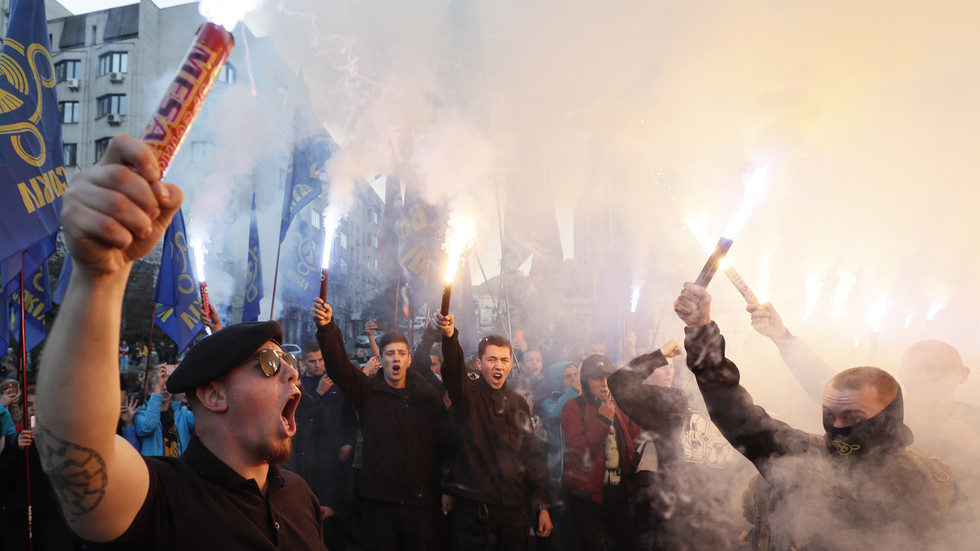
(212,397)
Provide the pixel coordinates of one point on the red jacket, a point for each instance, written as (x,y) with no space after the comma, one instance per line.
(585,434)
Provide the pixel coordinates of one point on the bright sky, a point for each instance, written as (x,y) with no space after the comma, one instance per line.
(85,6)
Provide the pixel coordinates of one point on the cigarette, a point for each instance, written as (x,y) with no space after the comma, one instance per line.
(184,97)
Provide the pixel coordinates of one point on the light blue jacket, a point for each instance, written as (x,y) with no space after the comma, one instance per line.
(6,422)
(150,431)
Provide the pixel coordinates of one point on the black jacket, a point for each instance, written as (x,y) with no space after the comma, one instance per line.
(400,427)
(499,460)
(325,424)
(883,499)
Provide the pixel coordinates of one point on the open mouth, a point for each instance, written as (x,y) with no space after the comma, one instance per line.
(497,377)
(289,414)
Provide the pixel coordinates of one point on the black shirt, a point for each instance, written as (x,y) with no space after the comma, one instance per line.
(198,502)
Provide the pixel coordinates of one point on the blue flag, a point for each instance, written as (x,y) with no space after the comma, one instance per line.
(420,256)
(306,172)
(253,277)
(62,286)
(32,172)
(301,261)
(37,302)
(178,309)
(4,323)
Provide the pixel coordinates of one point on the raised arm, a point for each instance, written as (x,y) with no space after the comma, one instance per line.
(652,407)
(421,361)
(371,326)
(810,370)
(354,384)
(745,425)
(453,362)
(113,214)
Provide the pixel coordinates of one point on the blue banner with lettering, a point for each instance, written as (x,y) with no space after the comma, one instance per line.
(307,172)
(420,255)
(178,309)
(32,172)
(300,274)
(37,302)
(253,276)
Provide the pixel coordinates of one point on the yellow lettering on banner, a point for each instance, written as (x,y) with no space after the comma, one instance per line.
(62,181)
(38,194)
(165,315)
(25,194)
(193,314)
(49,184)
(38,310)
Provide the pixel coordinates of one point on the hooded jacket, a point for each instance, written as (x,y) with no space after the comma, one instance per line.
(879,499)
(585,431)
(550,411)
(499,460)
(402,451)
(150,430)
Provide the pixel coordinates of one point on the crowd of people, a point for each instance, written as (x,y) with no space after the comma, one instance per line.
(243,446)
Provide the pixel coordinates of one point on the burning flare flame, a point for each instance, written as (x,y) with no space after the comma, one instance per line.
(813,285)
(331,219)
(459,234)
(226,13)
(634,296)
(198,250)
(845,284)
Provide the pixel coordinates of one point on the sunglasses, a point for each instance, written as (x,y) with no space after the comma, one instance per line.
(271,360)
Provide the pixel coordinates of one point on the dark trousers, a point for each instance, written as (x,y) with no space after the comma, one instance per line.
(612,517)
(479,526)
(390,526)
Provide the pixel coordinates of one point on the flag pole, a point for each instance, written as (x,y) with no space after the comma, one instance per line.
(275,281)
(149,349)
(398,293)
(26,420)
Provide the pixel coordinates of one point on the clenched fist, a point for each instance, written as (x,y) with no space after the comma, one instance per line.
(115,212)
(693,305)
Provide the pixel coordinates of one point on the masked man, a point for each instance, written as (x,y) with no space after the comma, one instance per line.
(859,486)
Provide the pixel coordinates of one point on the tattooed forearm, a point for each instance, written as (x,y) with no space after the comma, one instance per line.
(77,473)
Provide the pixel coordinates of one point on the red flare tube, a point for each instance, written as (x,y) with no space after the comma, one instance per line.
(711,266)
(324,280)
(447,293)
(184,97)
(205,303)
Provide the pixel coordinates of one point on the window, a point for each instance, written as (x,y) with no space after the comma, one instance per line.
(111,103)
(343,240)
(374,216)
(113,62)
(227,74)
(69,112)
(94,29)
(69,68)
(315,219)
(70,153)
(100,146)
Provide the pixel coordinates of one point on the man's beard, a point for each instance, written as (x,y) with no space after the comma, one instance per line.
(278,452)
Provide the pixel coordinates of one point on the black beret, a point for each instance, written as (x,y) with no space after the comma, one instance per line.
(219,353)
(596,367)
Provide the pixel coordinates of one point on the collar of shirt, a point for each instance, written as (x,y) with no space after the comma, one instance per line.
(206,465)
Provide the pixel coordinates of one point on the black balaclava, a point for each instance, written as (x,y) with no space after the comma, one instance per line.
(884,431)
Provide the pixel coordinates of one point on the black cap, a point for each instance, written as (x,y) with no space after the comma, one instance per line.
(221,352)
(596,367)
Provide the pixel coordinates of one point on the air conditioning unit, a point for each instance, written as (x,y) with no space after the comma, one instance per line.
(117,77)
(114,118)
(73,83)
